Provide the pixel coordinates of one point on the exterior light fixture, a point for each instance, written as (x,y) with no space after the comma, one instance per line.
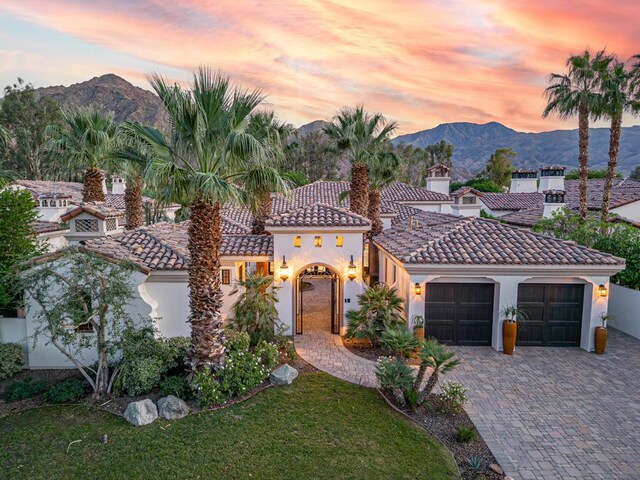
(285,270)
(351,270)
(602,290)
(417,288)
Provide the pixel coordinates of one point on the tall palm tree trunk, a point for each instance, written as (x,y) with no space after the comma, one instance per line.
(133,202)
(583,156)
(92,185)
(614,145)
(358,195)
(261,214)
(374,212)
(205,295)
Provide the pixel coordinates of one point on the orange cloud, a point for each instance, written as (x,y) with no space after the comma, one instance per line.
(421,63)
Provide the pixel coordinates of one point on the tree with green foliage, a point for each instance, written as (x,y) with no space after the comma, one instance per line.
(499,166)
(360,135)
(77,291)
(380,309)
(635,173)
(591,174)
(313,155)
(438,153)
(25,117)
(439,359)
(209,146)
(480,184)
(85,142)
(620,95)
(616,237)
(18,241)
(383,171)
(577,92)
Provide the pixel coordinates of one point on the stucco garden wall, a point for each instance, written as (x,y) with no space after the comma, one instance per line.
(624,305)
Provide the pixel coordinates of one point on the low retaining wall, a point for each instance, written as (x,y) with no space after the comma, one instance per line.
(624,305)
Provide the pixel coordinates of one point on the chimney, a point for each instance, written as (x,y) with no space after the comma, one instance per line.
(524,181)
(551,178)
(553,201)
(465,202)
(438,179)
(51,206)
(104,184)
(118,185)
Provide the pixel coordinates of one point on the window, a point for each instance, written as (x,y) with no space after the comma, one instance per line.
(394,275)
(111,224)
(317,241)
(468,200)
(365,256)
(338,240)
(86,225)
(226,276)
(386,270)
(297,241)
(84,328)
(241,272)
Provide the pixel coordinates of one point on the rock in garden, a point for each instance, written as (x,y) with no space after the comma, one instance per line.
(172,408)
(142,412)
(496,468)
(284,375)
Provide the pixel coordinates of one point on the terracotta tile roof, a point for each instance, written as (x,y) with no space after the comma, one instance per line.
(403,192)
(464,190)
(446,239)
(512,201)
(164,246)
(101,210)
(527,217)
(321,191)
(622,192)
(318,215)
(41,227)
(403,212)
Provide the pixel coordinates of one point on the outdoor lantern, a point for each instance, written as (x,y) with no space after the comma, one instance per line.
(602,290)
(351,270)
(417,288)
(285,270)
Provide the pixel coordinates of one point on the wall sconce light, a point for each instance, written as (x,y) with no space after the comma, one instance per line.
(602,290)
(351,270)
(417,288)
(285,270)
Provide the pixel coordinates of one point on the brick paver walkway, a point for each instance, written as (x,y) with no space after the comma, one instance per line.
(558,413)
(323,350)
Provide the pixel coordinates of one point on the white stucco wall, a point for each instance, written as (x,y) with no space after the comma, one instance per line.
(624,305)
(630,211)
(307,254)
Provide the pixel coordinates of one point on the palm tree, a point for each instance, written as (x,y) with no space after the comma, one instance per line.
(360,135)
(577,93)
(433,355)
(261,178)
(383,170)
(255,311)
(208,147)
(85,141)
(5,137)
(619,95)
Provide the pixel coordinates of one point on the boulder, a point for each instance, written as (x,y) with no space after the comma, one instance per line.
(172,408)
(284,375)
(142,412)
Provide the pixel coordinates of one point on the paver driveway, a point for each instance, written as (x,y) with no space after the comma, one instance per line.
(558,413)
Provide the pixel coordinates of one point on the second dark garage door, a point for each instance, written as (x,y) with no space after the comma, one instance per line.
(459,313)
(554,314)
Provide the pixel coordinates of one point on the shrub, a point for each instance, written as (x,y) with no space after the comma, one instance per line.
(11,360)
(176,386)
(380,309)
(26,388)
(394,375)
(206,388)
(255,310)
(285,345)
(465,433)
(399,341)
(146,359)
(68,390)
(452,398)
(243,369)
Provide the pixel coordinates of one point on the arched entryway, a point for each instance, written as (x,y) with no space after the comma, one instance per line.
(318,299)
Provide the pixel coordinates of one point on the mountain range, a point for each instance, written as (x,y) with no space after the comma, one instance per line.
(473,143)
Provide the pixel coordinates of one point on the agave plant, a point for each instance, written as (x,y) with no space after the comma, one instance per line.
(511,313)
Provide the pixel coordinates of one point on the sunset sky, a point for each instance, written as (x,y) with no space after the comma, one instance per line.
(419,62)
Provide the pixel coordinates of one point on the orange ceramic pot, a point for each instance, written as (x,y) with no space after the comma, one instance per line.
(600,340)
(509,332)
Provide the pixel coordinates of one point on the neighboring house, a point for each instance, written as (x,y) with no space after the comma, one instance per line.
(457,271)
(63,218)
(534,196)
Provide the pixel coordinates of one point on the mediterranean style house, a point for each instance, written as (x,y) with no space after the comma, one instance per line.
(453,268)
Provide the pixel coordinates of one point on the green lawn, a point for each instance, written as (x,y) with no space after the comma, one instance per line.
(320,427)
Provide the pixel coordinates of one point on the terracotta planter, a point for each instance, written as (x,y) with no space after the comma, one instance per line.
(600,340)
(509,332)
(418,332)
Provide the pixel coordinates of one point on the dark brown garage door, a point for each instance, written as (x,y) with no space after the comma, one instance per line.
(554,314)
(459,313)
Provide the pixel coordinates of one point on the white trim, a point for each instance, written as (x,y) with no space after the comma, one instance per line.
(311,230)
